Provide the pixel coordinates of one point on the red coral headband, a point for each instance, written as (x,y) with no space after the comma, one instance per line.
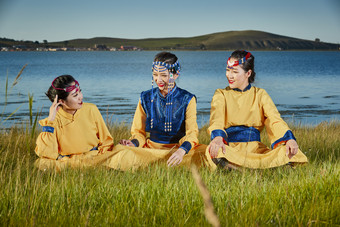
(239,62)
(67,89)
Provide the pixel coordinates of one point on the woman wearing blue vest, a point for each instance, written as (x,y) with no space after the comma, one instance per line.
(167,114)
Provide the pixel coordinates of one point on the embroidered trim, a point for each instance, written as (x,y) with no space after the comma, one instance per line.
(246,89)
(48,129)
(219,132)
(287,136)
(186,146)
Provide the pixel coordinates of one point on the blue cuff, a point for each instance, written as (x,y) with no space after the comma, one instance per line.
(186,146)
(219,132)
(288,136)
(48,129)
(61,156)
(135,142)
(94,149)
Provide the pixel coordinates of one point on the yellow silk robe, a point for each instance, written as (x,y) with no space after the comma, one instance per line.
(250,108)
(148,151)
(83,139)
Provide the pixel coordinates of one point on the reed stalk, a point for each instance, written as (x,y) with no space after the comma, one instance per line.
(16,80)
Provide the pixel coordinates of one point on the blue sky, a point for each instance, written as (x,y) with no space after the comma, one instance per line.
(39,20)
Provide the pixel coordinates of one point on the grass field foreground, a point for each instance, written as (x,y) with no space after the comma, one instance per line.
(161,196)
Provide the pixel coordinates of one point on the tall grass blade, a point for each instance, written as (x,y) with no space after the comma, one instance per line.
(6,89)
(30,106)
(5,104)
(2,121)
(35,123)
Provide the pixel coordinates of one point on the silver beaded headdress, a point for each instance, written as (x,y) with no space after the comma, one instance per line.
(172,68)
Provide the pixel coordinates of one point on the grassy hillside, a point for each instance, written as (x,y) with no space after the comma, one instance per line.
(4,42)
(231,40)
(250,40)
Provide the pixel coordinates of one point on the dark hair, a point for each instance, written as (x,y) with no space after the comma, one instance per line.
(249,64)
(63,81)
(167,57)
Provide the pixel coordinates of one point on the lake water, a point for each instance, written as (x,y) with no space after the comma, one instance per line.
(305,86)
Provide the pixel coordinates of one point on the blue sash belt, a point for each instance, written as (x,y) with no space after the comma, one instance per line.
(164,138)
(61,156)
(168,139)
(242,134)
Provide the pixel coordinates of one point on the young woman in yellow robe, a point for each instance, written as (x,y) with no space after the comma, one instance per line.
(164,127)
(238,114)
(74,134)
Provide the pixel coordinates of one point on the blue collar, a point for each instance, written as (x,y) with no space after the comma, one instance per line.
(246,89)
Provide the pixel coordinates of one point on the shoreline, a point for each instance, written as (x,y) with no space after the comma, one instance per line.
(175,50)
(111,123)
(117,117)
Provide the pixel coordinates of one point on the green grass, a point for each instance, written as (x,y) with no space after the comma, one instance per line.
(162,196)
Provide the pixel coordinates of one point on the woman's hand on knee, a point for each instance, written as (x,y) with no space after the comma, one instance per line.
(127,143)
(215,145)
(292,148)
(176,158)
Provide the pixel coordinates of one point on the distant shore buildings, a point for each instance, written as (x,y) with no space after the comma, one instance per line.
(100,47)
(96,47)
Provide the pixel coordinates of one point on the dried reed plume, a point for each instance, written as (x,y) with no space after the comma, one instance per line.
(16,80)
(208,205)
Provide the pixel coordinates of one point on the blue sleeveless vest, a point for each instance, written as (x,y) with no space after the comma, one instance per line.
(181,99)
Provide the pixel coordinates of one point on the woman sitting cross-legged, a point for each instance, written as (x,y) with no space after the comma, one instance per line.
(238,114)
(168,114)
(74,134)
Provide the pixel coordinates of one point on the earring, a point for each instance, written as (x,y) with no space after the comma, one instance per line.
(171,82)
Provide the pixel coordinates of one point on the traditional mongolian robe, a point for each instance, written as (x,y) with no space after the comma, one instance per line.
(77,140)
(157,133)
(239,117)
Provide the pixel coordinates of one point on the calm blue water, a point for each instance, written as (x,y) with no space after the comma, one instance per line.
(305,86)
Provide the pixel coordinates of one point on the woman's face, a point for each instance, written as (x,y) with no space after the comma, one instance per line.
(74,101)
(237,77)
(161,77)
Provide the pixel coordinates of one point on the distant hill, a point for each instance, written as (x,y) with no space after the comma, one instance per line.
(231,40)
(250,40)
(4,42)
